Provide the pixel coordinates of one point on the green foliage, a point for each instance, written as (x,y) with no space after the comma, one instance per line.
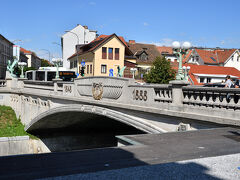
(17,70)
(161,72)
(10,125)
(45,63)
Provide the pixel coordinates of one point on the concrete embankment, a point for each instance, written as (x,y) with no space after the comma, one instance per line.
(21,145)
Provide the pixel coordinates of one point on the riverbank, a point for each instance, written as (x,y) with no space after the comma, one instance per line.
(10,125)
(14,139)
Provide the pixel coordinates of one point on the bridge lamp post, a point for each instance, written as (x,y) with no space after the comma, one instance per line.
(57,62)
(22,64)
(180,50)
(76,47)
(186,72)
(133,70)
(49,54)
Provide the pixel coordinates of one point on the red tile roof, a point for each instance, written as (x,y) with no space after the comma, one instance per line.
(186,57)
(216,56)
(97,43)
(25,51)
(103,36)
(165,50)
(211,70)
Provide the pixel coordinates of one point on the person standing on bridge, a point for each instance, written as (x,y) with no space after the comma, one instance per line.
(228,82)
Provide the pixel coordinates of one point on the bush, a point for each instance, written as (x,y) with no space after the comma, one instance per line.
(161,72)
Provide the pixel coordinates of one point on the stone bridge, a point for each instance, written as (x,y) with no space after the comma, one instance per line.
(152,108)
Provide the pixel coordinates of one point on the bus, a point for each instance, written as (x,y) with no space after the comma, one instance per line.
(49,73)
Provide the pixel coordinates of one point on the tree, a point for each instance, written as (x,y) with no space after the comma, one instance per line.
(161,72)
(17,70)
(45,63)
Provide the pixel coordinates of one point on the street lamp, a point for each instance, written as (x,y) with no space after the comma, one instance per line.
(56,43)
(180,50)
(49,54)
(22,64)
(133,70)
(77,44)
(17,40)
(57,62)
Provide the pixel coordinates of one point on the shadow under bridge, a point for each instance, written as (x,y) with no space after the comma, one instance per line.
(74,127)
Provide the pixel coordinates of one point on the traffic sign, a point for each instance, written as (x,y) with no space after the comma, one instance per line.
(83,63)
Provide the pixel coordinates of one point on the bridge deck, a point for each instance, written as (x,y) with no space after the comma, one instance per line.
(153,149)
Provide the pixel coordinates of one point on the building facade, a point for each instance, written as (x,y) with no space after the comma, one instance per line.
(6,53)
(201,74)
(145,55)
(102,56)
(214,57)
(167,52)
(79,35)
(33,60)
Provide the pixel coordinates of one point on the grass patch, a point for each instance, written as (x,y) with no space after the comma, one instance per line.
(10,125)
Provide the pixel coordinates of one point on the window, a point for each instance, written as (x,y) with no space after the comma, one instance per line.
(103,69)
(193,59)
(232,58)
(116,53)
(75,63)
(197,58)
(238,58)
(110,53)
(71,65)
(90,69)
(202,80)
(143,56)
(87,69)
(104,53)
(208,80)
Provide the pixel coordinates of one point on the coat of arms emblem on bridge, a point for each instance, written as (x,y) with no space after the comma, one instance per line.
(97,91)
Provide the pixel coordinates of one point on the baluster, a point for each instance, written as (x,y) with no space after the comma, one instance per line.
(204,99)
(231,103)
(209,99)
(217,102)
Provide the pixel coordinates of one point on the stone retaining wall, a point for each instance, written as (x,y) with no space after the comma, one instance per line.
(21,145)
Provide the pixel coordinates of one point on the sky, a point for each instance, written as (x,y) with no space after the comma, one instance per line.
(40,24)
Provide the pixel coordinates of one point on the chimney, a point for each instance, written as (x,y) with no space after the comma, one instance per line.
(85,27)
(132,42)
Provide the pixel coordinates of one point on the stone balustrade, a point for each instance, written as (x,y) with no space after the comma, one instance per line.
(177,98)
(126,90)
(222,98)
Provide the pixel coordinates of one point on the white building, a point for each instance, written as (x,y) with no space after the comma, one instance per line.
(78,35)
(214,57)
(200,74)
(33,60)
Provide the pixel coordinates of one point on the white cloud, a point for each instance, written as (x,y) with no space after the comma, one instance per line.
(92,3)
(145,24)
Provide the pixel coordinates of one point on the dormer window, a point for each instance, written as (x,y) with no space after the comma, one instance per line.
(143,57)
(232,58)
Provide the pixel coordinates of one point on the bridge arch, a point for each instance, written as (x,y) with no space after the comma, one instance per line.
(45,120)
